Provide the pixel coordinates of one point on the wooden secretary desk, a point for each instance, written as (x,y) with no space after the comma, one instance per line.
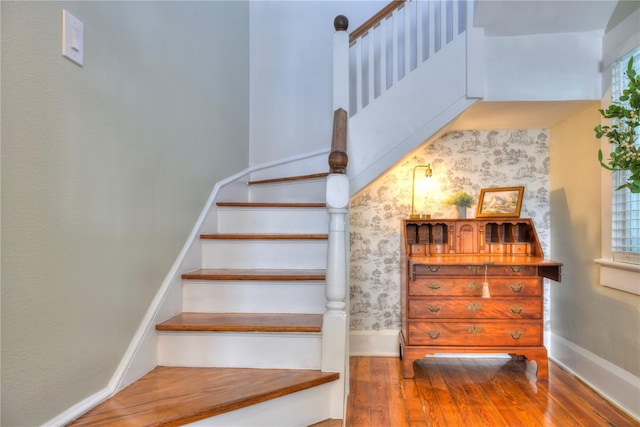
(445,264)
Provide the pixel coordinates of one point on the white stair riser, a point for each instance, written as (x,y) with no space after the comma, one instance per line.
(272,220)
(253,297)
(302,408)
(240,350)
(272,254)
(308,191)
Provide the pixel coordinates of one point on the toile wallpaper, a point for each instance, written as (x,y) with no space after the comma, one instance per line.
(461,160)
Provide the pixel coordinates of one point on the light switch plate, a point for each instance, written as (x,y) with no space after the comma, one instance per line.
(72,38)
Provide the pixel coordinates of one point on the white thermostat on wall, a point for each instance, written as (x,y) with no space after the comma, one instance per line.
(72,38)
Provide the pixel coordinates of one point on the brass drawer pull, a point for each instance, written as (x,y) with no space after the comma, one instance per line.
(516,309)
(434,286)
(433,268)
(473,268)
(433,334)
(434,308)
(516,268)
(516,334)
(474,330)
(474,286)
(474,307)
(516,287)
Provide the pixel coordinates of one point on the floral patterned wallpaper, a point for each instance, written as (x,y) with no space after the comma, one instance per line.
(461,160)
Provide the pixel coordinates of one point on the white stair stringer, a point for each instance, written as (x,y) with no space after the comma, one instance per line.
(269,219)
(298,191)
(302,408)
(253,296)
(419,106)
(264,254)
(290,350)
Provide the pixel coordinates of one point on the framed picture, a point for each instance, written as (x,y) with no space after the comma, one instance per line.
(500,202)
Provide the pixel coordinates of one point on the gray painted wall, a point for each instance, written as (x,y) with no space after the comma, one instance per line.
(105,169)
(602,320)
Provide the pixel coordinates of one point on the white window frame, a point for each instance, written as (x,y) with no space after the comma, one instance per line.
(613,274)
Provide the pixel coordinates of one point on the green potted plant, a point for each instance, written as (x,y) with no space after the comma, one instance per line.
(622,133)
(461,201)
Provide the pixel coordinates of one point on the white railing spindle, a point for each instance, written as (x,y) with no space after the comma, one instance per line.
(407,39)
(371,67)
(394,45)
(419,34)
(383,55)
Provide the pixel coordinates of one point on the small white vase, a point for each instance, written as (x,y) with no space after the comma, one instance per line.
(461,211)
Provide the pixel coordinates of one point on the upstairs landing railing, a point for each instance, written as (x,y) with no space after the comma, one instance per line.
(398,40)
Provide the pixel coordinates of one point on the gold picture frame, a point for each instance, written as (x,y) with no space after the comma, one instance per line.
(500,202)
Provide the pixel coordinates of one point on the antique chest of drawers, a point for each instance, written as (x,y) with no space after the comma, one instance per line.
(473,286)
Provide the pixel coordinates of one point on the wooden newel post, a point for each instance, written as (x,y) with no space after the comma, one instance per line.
(338,158)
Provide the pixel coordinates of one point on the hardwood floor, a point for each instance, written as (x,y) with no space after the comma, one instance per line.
(472,392)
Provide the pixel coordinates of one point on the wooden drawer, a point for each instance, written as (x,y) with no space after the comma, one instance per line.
(489,333)
(475,308)
(472,286)
(474,270)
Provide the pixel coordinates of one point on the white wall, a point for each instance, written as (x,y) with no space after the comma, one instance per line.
(291,73)
(105,169)
(543,67)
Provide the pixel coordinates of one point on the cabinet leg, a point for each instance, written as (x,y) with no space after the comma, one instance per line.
(543,368)
(407,367)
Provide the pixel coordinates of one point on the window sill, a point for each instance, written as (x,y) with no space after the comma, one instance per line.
(619,275)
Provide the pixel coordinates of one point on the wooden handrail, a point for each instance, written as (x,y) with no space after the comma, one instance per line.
(384,12)
(338,158)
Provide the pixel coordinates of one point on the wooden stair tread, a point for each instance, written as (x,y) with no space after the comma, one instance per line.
(289,178)
(243,322)
(254,274)
(258,236)
(173,396)
(271,205)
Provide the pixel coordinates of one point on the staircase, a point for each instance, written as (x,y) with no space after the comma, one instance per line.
(246,350)
(262,336)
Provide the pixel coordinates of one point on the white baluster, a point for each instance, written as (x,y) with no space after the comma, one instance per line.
(358,49)
(383,55)
(371,66)
(394,45)
(419,33)
(407,38)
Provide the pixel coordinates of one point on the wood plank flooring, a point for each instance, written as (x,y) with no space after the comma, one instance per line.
(472,392)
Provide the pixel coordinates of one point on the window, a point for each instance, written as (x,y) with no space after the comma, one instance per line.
(625,206)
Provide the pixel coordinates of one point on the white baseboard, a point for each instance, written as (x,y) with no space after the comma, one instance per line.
(374,343)
(613,383)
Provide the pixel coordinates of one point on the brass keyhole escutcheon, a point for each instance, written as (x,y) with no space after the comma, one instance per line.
(515,334)
(516,268)
(516,309)
(473,268)
(516,287)
(433,334)
(434,286)
(474,307)
(434,308)
(474,286)
(475,330)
